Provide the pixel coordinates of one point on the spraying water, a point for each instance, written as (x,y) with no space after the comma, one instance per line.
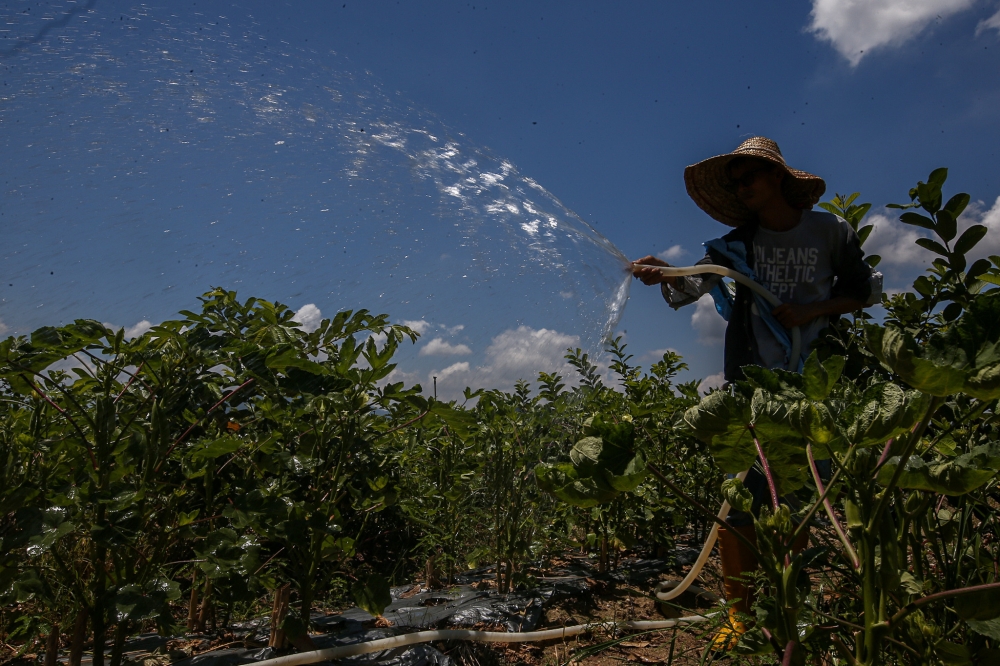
(153,152)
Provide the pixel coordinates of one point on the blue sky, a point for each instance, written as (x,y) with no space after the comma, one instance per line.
(600,104)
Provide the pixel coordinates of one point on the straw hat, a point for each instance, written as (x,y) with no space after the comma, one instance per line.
(708,183)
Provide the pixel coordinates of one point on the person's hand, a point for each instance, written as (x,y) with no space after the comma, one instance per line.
(650,276)
(796,314)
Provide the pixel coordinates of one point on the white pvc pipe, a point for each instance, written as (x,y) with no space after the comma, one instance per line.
(756,287)
(472,635)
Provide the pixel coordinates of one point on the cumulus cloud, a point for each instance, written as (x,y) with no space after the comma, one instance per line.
(138,329)
(895,242)
(711,382)
(439,347)
(709,324)
(657,354)
(991,220)
(309,317)
(519,353)
(419,325)
(3,327)
(672,253)
(855,27)
(992,23)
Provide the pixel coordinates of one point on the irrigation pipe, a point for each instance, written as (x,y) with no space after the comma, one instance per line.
(662,593)
(472,635)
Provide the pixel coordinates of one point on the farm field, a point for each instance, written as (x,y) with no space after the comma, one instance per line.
(228,466)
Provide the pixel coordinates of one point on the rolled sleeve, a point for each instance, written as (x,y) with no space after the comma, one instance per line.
(690,287)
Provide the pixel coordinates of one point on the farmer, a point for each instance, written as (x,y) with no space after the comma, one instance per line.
(812,261)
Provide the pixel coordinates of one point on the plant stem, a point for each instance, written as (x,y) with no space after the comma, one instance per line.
(851,553)
(937,596)
(911,444)
(767,468)
(195,424)
(789,652)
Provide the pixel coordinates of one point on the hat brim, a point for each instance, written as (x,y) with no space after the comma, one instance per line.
(706,184)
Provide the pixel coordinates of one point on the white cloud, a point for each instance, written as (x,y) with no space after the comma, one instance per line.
(519,353)
(138,329)
(895,242)
(711,382)
(419,325)
(656,355)
(992,22)
(3,327)
(707,321)
(309,317)
(672,253)
(991,219)
(460,368)
(438,347)
(855,27)
(452,330)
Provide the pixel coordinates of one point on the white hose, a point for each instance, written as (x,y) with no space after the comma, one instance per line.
(664,594)
(756,287)
(472,635)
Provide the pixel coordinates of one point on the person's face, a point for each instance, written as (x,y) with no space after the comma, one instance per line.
(756,183)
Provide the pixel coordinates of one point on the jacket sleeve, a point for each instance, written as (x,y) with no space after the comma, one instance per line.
(855,278)
(690,287)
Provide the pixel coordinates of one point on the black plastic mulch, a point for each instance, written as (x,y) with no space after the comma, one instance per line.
(459,606)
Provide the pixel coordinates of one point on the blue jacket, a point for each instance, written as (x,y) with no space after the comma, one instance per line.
(855,281)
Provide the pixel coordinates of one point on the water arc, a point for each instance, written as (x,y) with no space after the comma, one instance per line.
(153,152)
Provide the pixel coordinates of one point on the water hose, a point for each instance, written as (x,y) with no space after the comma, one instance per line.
(662,592)
(472,635)
(756,287)
(667,590)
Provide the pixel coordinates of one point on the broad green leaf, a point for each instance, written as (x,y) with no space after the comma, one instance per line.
(209,450)
(720,420)
(819,378)
(969,238)
(989,628)
(957,204)
(946,226)
(983,605)
(815,422)
(933,246)
(633,474)
(955,476)
(882,411)
(901,354)
(864,232)
(917,220)
(938,177)
(952,654)
(135,602)
(371,593)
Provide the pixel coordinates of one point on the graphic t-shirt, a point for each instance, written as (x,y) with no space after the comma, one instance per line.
(798,266)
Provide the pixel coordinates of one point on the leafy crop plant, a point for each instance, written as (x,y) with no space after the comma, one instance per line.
(905,411)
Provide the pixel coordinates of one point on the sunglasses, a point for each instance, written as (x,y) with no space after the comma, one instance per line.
(746,180)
